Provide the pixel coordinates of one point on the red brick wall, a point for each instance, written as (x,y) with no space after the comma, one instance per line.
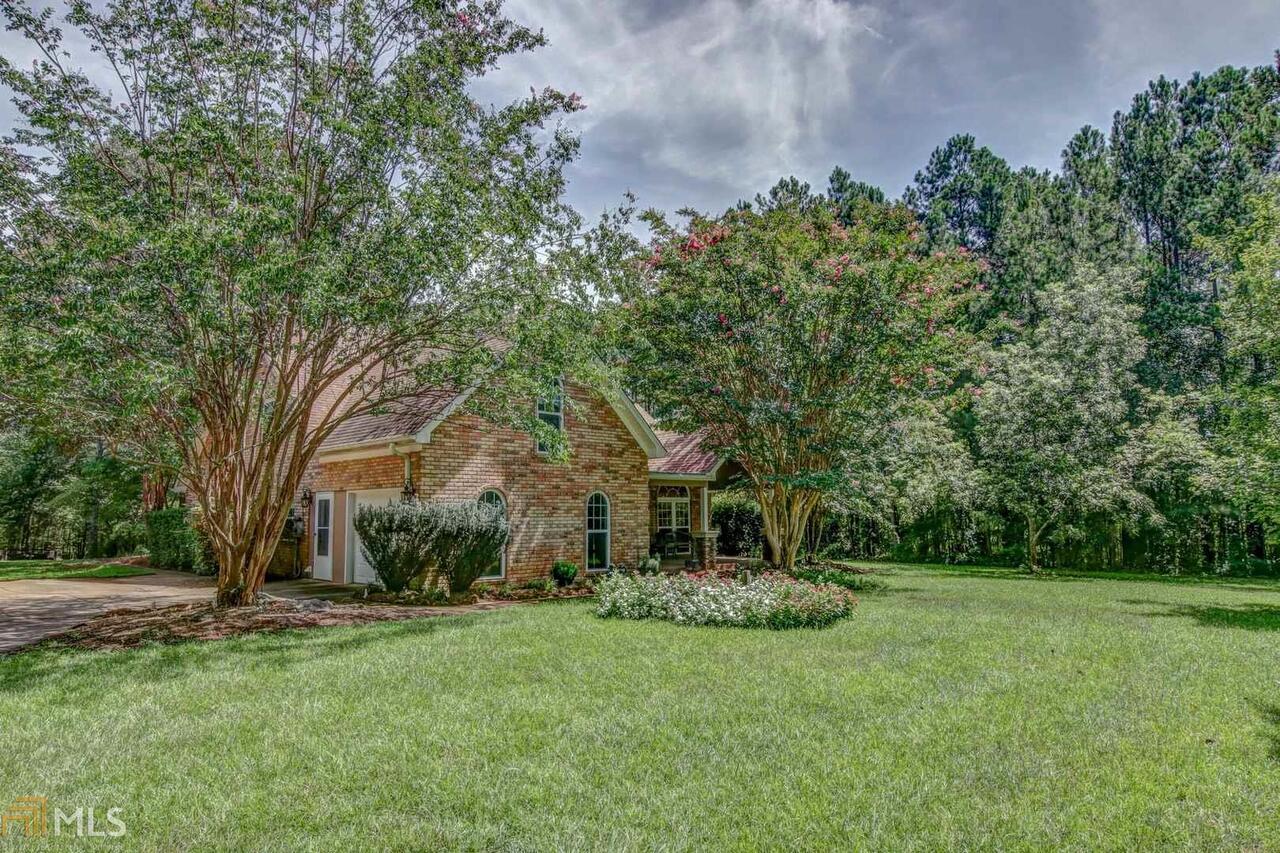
(546,502)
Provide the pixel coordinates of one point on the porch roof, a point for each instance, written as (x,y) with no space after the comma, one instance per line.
(685,457)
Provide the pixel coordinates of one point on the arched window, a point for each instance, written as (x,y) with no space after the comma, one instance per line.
(493,497)
(597,532)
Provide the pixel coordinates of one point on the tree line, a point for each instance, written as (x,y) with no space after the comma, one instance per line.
(1117,404)
(278,216)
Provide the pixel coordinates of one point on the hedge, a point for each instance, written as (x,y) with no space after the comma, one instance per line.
(174,544)
(738,518)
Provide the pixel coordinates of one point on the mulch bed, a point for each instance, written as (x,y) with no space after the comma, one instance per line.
(488,595)
(127,629)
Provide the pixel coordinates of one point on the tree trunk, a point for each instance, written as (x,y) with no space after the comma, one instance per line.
(1033,541)
(785,513)
(155,489)
(243,511)
(243,571)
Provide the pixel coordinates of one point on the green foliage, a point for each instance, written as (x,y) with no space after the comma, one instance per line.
(791,339)
(738,519)
(960,195)
(466,539)
(457,541)
(1184,156)
(174,543)
(854,581)
(242,225)
(68,498)
(1251,313)
(564,572)
(1053,429)
(849,195)
(397,541)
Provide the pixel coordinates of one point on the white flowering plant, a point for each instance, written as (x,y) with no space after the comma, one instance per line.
(770,600)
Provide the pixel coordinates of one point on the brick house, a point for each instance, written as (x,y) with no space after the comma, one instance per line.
(626,489)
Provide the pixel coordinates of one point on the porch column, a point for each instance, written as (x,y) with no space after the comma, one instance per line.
(704,541)
(704,549)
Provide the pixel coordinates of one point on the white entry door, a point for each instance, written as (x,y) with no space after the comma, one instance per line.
(381,497)
(322,538)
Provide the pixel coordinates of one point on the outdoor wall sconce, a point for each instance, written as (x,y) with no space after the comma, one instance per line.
(305,497)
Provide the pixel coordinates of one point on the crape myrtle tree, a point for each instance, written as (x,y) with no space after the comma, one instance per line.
(259,219)
(1054,432)
(791,339)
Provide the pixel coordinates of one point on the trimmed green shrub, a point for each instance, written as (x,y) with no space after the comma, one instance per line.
(397,541)
(466,540)
(563,572)
(174,543)
(457,541)
(858,582)
(738,518)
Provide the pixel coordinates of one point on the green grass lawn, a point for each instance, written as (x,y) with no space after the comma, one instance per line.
(955,710)
(21,570)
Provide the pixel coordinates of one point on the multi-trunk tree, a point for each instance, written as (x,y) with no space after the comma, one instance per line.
(792,340)
(275,216)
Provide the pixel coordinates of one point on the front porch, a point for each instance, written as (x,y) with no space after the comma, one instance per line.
(680,524)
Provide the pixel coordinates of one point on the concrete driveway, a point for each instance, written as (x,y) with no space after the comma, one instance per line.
(34,609)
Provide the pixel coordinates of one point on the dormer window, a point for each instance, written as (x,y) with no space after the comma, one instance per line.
(551,413)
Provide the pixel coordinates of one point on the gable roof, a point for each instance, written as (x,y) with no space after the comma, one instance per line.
(415,419)
(403,419)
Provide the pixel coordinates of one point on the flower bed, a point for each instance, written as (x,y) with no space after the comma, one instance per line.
(769,600)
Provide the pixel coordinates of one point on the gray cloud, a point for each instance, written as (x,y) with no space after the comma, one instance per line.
(703,103)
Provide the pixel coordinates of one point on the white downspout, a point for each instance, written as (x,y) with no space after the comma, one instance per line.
(408,465)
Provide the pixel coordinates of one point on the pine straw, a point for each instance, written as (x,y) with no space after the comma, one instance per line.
(130,628)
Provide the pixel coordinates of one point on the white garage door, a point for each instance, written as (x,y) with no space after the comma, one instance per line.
(381,497)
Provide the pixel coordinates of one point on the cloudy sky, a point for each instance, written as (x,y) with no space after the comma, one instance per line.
(703,103)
